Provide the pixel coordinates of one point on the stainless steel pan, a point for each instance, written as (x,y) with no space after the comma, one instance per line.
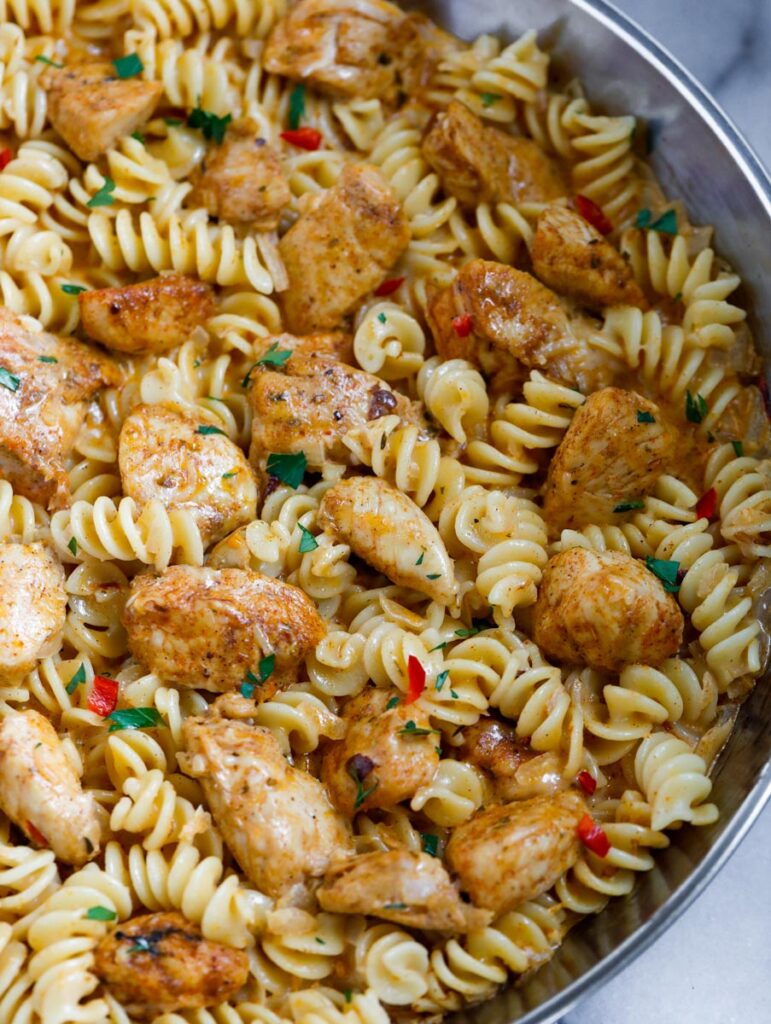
(699,156)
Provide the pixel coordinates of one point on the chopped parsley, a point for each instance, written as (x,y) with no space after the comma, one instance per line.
(265,669)
(207,428)
(321,942)
(9,380)
(382,317)
(359,767)
(439,647)
(41,59)
(645,417)
(138,136)
(172,122)
(666,571)
(73,289)
(394,906)
(464,634)
(212,126)
(227,476)
(666,224)
(143,945)
(104,196)
(348,995)
(489,98)
(441,679)
(100,914)
(307,542)
(129,66)
(296,106)
(47,359)
(77,679)
(430,843)
(453,694)
(410,729)
(629,506)
(695,408)
(134,718)
(290,469)
(273,357)
(420,559)
(738,448)
(72,544)
(433,575)
(393,702)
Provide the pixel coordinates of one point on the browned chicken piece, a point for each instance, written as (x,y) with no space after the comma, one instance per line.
(511,853)
(611,454)
(346,48)
(241,181)
(341,248)
(41,792)
(481,164)
(425,47)
(411,889)
(43,400)
(211,628)
(91,107)
(388,530)
(334,344)
(149,317)
(514,321)
(606,610)
(572,257)
(310,404)
(494,747)
(178,457)
(159,963)
(276,820)
(379,763)
(33,604)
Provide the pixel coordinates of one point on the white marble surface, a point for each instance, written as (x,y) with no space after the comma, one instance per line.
(714,965)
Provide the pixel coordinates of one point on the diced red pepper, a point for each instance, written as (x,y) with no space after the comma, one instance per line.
(706,506)
(35,834)
(594,214)
(303,138)
(587,782)
(389,287)
(462,325)
(592,836)
(6,155)
(416,676)
(103,698)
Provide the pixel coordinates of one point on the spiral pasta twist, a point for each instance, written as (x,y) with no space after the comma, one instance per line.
(455,792)
(743,486)
(519,71)
(455,394)
(541,420)
(674,782)
(179,18)
(20,518)
(150,804)
(389,342)
(96,594)
(393,963)
(295,948)
(299,719)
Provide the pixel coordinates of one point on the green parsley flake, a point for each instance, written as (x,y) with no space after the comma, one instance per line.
(666,224)
(464,634)
(441,679)
(104,196)
(629,506)
(643,218)
(695,408)
(645,417)
(439,647)
(410,729)
(47,359)
(134,718)
(420,560)
(738,448)
(9,380)
(138,136)
(212,126)
(275,356)
(453,694)
(129,66)
(143,944)
(227,476)
(393,702)
(307,542)
(430,843)
(77,679)
(666,571)
(290,469)
(348,995)
(72,544)
(100,914)
(489,98)
(41,59)
(394,906)
(73,289)
(382,317)
(433,575)
(321,942)
(296,106)
(207,428)
(361,792)
(265,669)
(172,122)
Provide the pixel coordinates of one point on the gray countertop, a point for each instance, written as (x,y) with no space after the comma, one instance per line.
(714,965)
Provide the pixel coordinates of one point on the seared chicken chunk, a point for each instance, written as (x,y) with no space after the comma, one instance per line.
(277,821)
(481,164)
(572,257)
(91,107)
(159,963)
(494,747)
(242,180)
(32,606)
(411,889)
(349,49)
(612,453)
(378,764)
(511,853)
(211,628)
(334,344)
(311,404)
(43,405)
(514,321)
(148,317)
(389,531)
(341,248)
(606,610)
(40,790)
(176,456)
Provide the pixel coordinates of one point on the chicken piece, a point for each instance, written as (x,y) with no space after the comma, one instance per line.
(91,107)
(40,790)
(341,248)
(310,404)
(334,344)
(572,257)
(346,48)
(276,820)
(426,46)
(513,852)
(211,628)
(388,530)
(178,457)
(379,763)
(33,604)
(43,402)
(515,320)
(411,889)
(612,454)
(494,747)
(159,963)
(241,181)
(150,317)
(606,610)
(481,164)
